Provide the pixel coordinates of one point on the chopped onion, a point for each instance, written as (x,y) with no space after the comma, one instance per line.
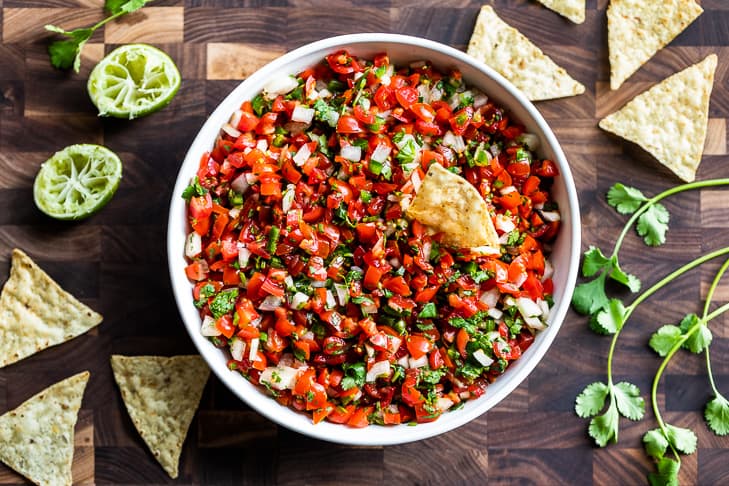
(479,100)
(342,293)
(495,150)
(287,200)
(551,216)
(404,362)
(454,141)
(535,323)
(491,297)
(424,92)
(504,223)
(209,328)
(381,368)
(395,263)
(302,155)
(482,358)
(369,350)
(193,245)
(279,86)
(435,94)
(416,180)
(485,250)
(237,348)
(330,302)
(381,153)
(548,270)
(369,308)
(271,302)
(280,377)
(324,93)
(530,140)
(253,351)
(262,145)
(418,363)
(317,284)
(240,184)
(302,114)
(507,189)
(544,306)
(495,313)
(243,255)
(443,403)
(235,118)
(527,307)
(351,152)
(299,300)
(233,132)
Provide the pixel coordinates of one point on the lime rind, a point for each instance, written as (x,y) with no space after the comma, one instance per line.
(133,81)
(77,181)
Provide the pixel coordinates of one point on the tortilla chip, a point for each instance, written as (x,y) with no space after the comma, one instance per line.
(36,313)
(36,439)
(512,55)
(161,395)
(669,120)
(572,9)
(449,204)
(637,29)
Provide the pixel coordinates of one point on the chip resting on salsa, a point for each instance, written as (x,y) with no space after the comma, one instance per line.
(369,242)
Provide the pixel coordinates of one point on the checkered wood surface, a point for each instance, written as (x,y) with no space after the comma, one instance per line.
(116,260)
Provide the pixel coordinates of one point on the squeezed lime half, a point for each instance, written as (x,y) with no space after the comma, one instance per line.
(133,81)
(77,181)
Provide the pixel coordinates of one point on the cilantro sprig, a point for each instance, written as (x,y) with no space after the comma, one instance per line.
(66,54)
(694,335)
(624,397)
(651,222)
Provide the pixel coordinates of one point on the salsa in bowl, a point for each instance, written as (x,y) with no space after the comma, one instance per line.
(367,234)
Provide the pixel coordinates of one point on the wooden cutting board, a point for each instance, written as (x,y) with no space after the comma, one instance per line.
(116,261)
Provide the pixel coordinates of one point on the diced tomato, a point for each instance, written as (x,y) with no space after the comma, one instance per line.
(418,346)
(197,271)
(349,124)
(406,96)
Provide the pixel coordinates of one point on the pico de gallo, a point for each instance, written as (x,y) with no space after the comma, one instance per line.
(308,273)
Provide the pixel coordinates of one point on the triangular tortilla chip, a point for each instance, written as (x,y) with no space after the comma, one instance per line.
(637,29)
(449,204)
(572,9)
(670,119)
(512,55)
(161,395)
(36,313)
(36,439)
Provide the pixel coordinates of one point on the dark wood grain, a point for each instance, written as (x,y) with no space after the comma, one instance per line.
(116,261)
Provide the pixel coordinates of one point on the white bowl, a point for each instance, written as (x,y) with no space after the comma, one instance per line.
(401,49)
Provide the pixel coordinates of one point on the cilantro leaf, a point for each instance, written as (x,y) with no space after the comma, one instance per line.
(610,319)
(354,375)
(604,428)
(667,474)
(589,297)
(594,261)
(664,339)
(115,7)
(223,303)
(591,400)
(688,321)
(655,443)
(684,440)
(699,340)
(717,415)
(627,279)
(66,54)
(625,199)
(630,404)
(653,224)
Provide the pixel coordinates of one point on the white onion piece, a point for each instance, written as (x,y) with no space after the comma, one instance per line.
(317,284)
(299,300)
(330,302)
(253,351)
(530,140)
(279,85)
(381,368)
(454,141)
(351,152)
(482,358)
(262,145)
(235,118)
(416,180)
(251,178)
(240,184)
(479,100)
(535,323)
(280,377)
(495,313)
(209,328)
(548,270)
(244,254)
(237,348)
(302,155)
(193,245)
(504,223)
(381,153)
(491,297)
(271,302)
(342,293)
(287,200)
(233,132)
(302,114)
(418,363)
(507,189)
(443,403)
(551,216)
(527,307)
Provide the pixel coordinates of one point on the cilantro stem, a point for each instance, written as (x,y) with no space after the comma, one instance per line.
(705,319)
(650,202)
(653,289)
